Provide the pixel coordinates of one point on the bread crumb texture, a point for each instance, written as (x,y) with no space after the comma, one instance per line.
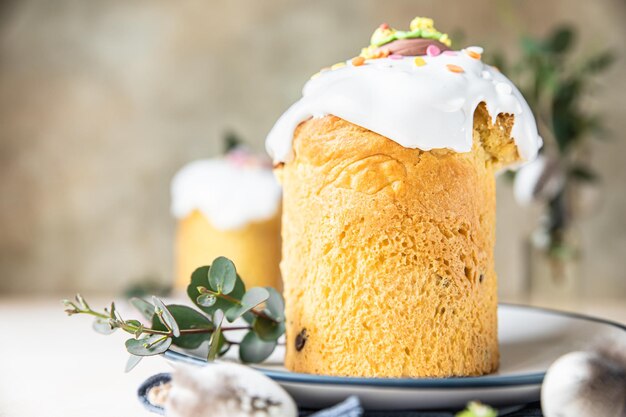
(388,252)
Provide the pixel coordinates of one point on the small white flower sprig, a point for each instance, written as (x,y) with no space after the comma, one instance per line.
(220,297)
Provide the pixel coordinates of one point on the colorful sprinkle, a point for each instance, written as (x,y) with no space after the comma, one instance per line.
(420,27)
(419,62)
(316,75)
(358,61)
(422,23)
(433,50)
(472,54)
(338,65)
(450,53)
(395,56)
(382,35)
(504,88)
(445,40)
(455,68)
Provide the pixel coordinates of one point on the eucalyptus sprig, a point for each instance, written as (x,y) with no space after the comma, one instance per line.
(220,297)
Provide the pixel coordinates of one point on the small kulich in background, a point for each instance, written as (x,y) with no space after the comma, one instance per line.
(228,206)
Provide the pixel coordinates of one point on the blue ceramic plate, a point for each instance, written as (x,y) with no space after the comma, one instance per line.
(530,340)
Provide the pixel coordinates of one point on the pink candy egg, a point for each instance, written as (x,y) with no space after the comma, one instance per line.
(433,50)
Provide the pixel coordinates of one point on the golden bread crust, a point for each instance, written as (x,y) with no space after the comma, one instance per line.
(388,252)
(255,249)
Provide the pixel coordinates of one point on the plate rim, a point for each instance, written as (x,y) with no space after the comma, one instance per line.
(485,381)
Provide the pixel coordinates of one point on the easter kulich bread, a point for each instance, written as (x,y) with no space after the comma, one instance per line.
(254,248)
(388,265)
(228,206)
(388,165)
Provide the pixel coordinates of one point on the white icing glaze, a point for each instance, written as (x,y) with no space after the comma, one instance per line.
(230,194)
(425,107)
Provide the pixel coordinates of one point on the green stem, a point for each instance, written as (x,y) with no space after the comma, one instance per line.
(156,342)
(94,313)
(224,329)
(162,320)
(129,328)
(225,297)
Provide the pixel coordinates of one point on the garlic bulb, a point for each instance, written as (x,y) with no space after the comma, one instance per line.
(585,384)
(226,390)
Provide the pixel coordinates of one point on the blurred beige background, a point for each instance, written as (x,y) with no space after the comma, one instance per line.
(102,101)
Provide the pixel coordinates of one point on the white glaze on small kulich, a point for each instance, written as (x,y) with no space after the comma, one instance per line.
(229,194)
(424,107)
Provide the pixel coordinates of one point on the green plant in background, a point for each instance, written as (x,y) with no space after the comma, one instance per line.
(220,297)
(558,86)
(148,285)
(231,141)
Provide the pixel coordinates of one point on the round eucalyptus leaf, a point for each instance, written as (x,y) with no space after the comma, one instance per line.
(148,346)
(218,317)
(216,342)
(103,326)
(224,346)
(252,298)
(199,278)
(132,361)
(255,296)
(248,317)
(275,304)
(166,317)
(222,275)
(187,318)
(268,330)
(254,350)
(135,323)
(206,300)
(145,308)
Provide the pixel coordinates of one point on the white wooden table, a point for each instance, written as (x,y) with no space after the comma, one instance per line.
(56,366)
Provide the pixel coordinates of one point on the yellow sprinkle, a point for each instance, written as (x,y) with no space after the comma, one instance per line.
(338,65)
(422,23)
(419,62)
(445,40)
(455,68)
(358,61)
(316,75)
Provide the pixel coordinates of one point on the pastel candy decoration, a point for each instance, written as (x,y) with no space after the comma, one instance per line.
(433,50)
